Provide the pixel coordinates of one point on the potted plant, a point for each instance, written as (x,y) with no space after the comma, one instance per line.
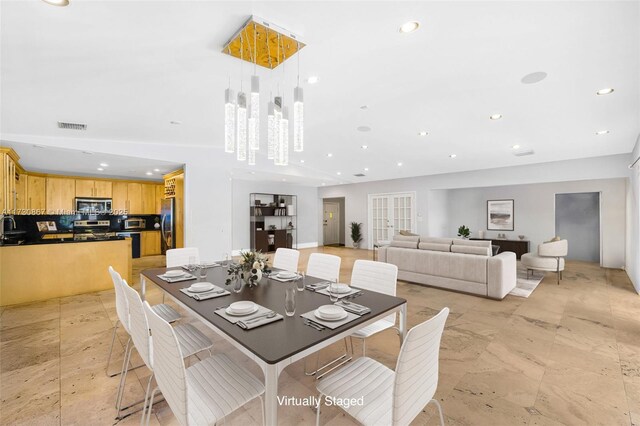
(463,232)
(356,234)
(250,268)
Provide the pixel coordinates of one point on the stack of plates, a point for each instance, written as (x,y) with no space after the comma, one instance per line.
(175,273)
(285,275)
(241,308)
(340,288)
(200,287)
(330,313)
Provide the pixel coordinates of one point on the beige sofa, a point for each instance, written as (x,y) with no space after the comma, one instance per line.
(460,265)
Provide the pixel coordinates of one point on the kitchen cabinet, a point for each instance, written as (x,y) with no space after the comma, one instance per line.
(119,196)
(8,180)
(21,193)
(134,198)
(149,243)
(60,194)
(93,188)
(148,195)
(159,198)
(36,191)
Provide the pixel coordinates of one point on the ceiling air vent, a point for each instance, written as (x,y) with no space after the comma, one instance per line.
(359,175)
(524,153)
(71,126)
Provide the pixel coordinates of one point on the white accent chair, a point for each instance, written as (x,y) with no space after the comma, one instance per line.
(205,392)
(122,310)
(379,277)
(324,266)
(191,342)
(286,259)
(392,398)
(550,257)
(180,256)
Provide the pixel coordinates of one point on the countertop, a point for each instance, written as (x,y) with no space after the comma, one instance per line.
(60,241)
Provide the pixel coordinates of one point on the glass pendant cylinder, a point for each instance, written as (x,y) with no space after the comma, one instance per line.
(271,123)
(241,126)
(298,120)
(251,157)
(229,121)
(254,120)
(282,147)
(278,154)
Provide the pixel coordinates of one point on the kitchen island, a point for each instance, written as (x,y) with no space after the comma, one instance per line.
(34,272)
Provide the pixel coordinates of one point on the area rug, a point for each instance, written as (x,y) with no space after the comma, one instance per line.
(524,286)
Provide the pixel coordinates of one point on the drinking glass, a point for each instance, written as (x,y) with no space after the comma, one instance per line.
(226,259)
(300,281)
(202,272)
(290,301)
(333,291)
(237,285)
(191,264)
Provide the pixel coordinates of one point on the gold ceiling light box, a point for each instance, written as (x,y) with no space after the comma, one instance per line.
(273,45)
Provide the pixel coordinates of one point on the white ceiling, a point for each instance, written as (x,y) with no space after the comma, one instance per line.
(37,158)
(129,68)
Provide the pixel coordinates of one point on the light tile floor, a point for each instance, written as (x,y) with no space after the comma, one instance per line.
(571,351)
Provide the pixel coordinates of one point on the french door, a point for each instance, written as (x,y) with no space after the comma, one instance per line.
(389,214)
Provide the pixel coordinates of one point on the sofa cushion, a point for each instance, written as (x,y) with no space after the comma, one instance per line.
(482,251)
(451,265)
(413,238)
(473,243)
(435,240)
(404,244)
(408,233)
(434,246)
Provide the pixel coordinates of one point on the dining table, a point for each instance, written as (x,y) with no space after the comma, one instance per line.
(275,345)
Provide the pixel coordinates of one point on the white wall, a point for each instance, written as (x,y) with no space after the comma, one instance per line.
(534,212)
(307,218)
(432,202)
(633,221)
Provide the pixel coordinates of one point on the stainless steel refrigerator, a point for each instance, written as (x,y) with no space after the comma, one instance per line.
(167,224)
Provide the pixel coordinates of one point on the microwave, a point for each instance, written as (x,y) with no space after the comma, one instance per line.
(135,223)
(93,205)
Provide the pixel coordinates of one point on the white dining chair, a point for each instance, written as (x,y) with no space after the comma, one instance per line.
(191,342)
(380,277)
(286,259)
(204,393)
(181,256)
(324,266)
(122,311)
(391,398)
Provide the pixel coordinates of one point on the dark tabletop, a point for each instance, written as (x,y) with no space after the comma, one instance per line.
(281,339)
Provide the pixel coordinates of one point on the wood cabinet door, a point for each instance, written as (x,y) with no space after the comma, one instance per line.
(159,198)
(21,192)
(148,198)
(134,197)
(119,196)
(36,190)
(60,194)
(85,188)
(103,189)
(149,243)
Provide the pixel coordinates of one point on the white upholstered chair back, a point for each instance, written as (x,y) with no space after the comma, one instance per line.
(138,325)
(286,259)
(416,378)
(558,248)
(168,365)
(180,256)
(122,306)
(324,266)
(376,276)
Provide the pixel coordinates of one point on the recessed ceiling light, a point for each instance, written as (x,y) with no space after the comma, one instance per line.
(602,132)
(57,2)
(323,184)
(252,173)
(149,173)
(364,106)
(399,164)
(364,147)
(366,169)
(156,170)
(516,147)
(100,169)
(104,165)
(495,116)
(422,133)
(409,27)
(284,180)
(534,77)
(301,161)
(364,128)
(313,79)
(452,156)
(339,173)
(604,91)
(329,155)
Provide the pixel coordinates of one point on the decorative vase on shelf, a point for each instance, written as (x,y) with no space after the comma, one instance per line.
(481,235)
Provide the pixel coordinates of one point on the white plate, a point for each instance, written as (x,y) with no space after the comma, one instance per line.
(242,308)
(174,273)
(322,317)
(286,274)
(340,288)
(243,314)
(331,311)
(200,287)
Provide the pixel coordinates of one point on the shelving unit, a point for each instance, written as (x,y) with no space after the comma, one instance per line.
(272,225)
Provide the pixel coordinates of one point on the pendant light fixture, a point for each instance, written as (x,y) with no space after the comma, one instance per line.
(298,114)
(229,120)
(271,124)
(241,122)
(254,120)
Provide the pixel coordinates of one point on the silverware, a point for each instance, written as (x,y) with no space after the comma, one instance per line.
(269,314)
(313,325)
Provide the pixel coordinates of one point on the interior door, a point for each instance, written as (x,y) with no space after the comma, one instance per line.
(380,218)
(331,223)
(389,214)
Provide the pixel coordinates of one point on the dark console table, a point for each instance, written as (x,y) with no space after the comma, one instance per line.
(519,247)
